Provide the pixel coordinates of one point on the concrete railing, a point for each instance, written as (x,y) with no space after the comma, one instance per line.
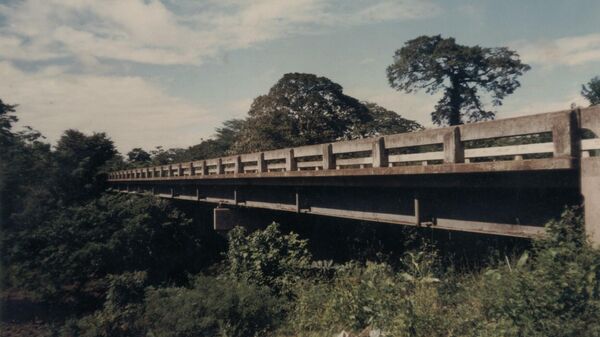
(563,134)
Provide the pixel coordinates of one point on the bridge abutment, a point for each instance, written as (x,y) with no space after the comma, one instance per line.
(590,190)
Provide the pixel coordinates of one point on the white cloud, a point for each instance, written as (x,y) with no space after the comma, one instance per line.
(179,32)
(66,43)
(569,51)
(527,106)
(134,112)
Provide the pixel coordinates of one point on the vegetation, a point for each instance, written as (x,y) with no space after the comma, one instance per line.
(300,109)
(433,63)
(138,266)
(591,91)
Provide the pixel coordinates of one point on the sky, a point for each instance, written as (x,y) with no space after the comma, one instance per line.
(150,72)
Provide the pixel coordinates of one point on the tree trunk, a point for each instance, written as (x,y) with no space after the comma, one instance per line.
(454,103)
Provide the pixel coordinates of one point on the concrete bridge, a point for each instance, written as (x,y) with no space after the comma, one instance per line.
(503,177)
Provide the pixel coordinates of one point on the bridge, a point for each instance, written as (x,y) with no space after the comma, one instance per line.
(502,177)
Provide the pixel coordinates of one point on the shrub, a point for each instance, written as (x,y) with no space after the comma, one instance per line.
(268,258)
(79,246)
(212,307)
(556,292)
(122,311)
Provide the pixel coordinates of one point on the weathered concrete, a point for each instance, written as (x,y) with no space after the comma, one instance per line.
(424,178)
(590,190)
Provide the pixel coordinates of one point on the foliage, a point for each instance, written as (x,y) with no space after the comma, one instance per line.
(79,246)
(553,290)
(303,109)
(373,295)
(591,91)
(212,307)
(432,63)
(138,156)
(386,122)
(268,257)
(7,119)
(80,158)
(556,292)
(122,311)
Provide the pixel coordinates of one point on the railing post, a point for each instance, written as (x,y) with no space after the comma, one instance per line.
(564,130)
(261,164)
(204,168)
(237,165)
(192,169)
(380,158)
(328,158)
(453,147)
(290,161)
(170,173)
(220,169)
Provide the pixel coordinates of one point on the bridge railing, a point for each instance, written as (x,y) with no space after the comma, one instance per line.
(563,134)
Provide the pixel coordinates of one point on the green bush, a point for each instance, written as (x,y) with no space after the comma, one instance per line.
(268,258)
(73,251)
(552,290)
(212,307)
(556,292)
(122,311)
(371,296)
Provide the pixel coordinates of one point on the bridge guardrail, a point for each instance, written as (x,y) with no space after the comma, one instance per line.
(562,134)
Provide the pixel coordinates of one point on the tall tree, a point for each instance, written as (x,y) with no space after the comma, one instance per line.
(7,118)
(433,63)
(80,159)
(386,122)
(138,156)
(591,91)
(300,109)
(303,109)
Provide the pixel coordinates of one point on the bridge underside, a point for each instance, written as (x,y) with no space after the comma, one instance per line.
(512,203)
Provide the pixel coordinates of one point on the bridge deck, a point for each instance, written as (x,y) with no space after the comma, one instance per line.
(541,153)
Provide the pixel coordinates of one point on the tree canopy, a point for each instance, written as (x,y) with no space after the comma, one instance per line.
(138,155)
(303,109)
(591,91)
(434,64)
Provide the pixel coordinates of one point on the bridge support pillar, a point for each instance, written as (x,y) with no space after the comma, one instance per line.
(590,190)
(224,219)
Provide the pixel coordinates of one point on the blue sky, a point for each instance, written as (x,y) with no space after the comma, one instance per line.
(168,72)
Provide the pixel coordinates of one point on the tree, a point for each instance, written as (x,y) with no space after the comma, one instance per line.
(80,160)
(386,122)
(6,121)
(591,91)
(301,109)
(112,234)
(304,109)
(138,155)
(432,63)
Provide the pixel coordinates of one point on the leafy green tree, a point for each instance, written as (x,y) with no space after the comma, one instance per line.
(386,122)
(138,156)
(433,63)
(80,163)
(73,251)
(268,257)
(26,169)
(591,91)
(7,119)
(301,109)
(212,307)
